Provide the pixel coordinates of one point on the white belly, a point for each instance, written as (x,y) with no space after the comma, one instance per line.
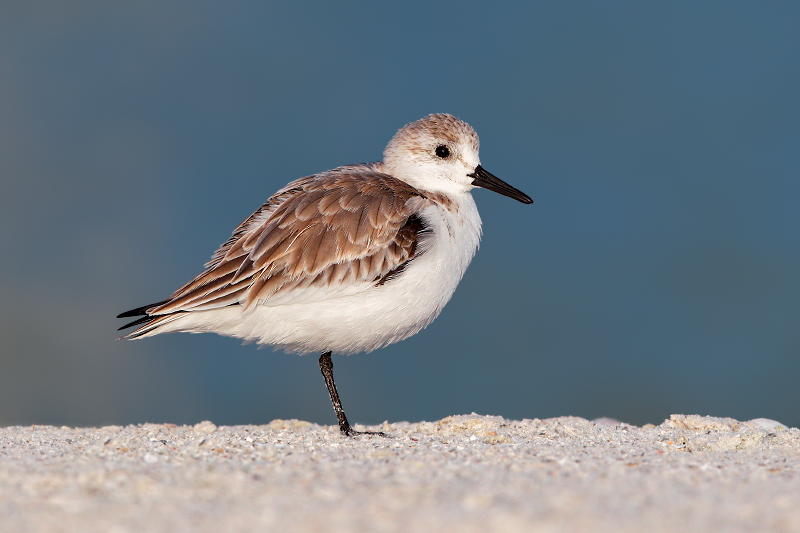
(371,319)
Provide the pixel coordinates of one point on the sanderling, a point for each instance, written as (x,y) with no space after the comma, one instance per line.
(347,260)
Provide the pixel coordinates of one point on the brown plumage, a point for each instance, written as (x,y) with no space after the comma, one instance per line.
(360,221)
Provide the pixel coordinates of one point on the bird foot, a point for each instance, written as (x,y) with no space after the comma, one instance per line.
(350,432)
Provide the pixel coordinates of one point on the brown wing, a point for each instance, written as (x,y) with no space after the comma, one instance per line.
(338,232)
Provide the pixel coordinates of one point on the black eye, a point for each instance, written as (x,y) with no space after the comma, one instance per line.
(443,151)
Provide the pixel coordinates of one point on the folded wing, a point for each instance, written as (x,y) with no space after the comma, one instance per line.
(331,234)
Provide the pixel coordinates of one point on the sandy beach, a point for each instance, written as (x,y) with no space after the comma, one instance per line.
(462,473)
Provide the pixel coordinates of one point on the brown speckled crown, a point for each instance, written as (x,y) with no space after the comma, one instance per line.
(420,136)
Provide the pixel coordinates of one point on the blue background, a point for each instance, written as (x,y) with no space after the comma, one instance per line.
(657,272)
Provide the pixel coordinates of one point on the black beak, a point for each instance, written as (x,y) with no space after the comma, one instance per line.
(481,178)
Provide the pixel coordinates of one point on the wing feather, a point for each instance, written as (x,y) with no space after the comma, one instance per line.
(345,230)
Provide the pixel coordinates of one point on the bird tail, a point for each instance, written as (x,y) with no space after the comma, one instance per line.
(147,323)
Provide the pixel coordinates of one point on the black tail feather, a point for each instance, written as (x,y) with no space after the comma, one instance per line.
(139,311)
(136,322)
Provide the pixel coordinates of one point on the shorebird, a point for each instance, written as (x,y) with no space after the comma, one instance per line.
(347,260)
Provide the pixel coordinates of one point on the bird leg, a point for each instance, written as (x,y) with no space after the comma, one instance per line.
(326,365)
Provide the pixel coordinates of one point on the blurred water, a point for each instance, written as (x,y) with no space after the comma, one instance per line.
(656,272)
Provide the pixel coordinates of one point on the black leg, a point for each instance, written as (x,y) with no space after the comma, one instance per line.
(326,365)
